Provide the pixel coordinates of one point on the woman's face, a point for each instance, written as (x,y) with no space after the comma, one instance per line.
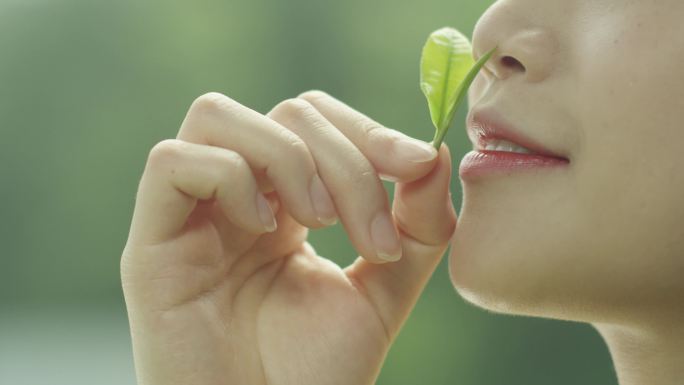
(601,240)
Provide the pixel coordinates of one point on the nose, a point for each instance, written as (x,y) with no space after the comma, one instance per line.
(524,49)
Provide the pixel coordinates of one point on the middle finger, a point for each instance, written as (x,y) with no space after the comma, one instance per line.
(359,196)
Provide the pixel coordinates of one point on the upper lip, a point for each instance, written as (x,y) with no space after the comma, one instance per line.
(486,125)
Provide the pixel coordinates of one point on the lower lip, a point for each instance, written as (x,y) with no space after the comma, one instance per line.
(485,162)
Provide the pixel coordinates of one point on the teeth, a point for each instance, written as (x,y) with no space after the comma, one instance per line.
(504,145)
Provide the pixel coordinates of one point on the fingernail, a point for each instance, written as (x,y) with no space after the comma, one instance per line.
(265,213)
(322,202)
(385,238)
(414,150)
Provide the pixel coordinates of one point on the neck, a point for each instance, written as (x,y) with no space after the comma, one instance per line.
(646,355)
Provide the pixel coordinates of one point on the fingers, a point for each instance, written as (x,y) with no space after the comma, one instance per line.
(357,192)
(426,218)
(424,210)
(395,156)
(179,173)
(270,150)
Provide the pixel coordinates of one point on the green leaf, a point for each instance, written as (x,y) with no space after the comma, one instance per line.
(447,69)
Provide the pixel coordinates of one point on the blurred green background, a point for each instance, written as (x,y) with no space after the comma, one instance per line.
(88,87)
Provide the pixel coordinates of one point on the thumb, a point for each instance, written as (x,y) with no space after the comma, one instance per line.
(423,209)
(426,220)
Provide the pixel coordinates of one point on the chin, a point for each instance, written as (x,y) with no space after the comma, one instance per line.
(512,254)
(485,276)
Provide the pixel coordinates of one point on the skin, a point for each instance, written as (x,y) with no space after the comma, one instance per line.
(214,298)
(600,241)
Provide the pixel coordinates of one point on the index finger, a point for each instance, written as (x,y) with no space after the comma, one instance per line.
(395,156)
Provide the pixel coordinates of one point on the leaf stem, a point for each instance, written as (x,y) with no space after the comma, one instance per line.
(439,137)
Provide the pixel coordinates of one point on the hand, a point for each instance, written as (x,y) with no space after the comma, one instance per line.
(213,297)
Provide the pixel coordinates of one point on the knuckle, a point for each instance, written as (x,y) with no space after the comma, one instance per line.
(313,95)
(231,174)
(165,151)
(297,152)
(291,157)
(212,102)
(359,177)
(297,146)
(372,129)
(291,109)
(227,159)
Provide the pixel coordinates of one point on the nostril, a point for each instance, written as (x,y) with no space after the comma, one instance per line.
(512,63)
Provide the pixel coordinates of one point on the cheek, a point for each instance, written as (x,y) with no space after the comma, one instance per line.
(630,83)
(631,107)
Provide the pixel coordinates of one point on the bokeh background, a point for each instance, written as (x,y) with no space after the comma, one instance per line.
(87,87)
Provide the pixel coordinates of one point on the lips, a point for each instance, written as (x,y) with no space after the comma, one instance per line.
(486,126)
